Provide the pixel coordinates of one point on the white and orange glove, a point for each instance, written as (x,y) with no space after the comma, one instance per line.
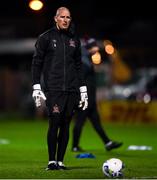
(38,95)
(84,97)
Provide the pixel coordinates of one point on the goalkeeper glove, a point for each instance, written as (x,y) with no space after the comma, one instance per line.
(38,95)
(84,97)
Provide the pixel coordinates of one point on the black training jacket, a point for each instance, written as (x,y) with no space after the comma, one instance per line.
(58,56)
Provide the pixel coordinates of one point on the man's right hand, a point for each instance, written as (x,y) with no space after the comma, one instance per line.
(38,95)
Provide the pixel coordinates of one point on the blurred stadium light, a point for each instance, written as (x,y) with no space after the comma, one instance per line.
(36,5)
(120,71)
(96,58)
(109,48)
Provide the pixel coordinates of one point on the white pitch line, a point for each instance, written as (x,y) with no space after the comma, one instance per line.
(4,141)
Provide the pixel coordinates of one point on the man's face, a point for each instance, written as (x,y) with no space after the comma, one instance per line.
(63,19)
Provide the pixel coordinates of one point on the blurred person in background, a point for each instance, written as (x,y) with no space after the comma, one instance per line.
(89,48)
(57,57)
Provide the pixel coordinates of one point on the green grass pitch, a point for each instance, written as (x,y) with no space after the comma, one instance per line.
(24,154)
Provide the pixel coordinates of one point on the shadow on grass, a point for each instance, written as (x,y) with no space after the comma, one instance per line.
(70,168)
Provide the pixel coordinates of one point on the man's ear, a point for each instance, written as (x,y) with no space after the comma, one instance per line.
(55,18)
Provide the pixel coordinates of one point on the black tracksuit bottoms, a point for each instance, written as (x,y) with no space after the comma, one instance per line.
(61,106)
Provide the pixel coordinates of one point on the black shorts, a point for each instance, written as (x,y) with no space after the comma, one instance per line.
(62,102)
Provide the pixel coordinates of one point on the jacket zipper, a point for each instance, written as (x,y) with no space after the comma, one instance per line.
(64,62)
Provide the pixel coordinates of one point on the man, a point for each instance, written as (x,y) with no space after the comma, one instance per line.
(58,57)
(91,112)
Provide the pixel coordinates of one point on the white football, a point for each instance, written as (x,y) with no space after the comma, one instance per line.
(113,168)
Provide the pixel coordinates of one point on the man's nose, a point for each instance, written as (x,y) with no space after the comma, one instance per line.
(65,19)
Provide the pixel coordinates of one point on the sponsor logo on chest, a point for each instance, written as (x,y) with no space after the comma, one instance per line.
(72,43)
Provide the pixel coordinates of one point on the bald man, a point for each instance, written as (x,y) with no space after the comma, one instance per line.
(57,57)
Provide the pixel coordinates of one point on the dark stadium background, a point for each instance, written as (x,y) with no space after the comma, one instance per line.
(127,106)
(128,23)
(131,26)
